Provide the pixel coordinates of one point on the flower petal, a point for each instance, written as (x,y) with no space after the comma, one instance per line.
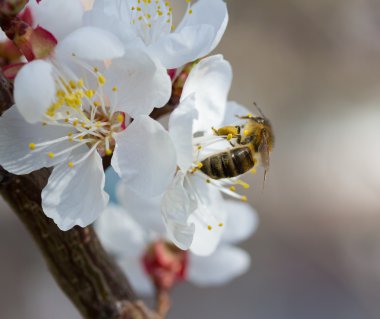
(242,221)
(142,83)
(181,131)
(209,219)
(110,21)
(211,80)
(119,233)
(15,137)
(224,265)
(90,43)
(49,15)
(34,90)
(186,45)
(233,110)
(145,156)
(176,208)
(145,210)
(136,274)
(75,196)
(208,12)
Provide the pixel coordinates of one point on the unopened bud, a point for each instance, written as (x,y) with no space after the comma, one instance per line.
(165,264)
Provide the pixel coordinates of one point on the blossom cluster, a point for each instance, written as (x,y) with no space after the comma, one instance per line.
(94,72)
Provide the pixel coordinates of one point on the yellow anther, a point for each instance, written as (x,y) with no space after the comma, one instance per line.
(138,9)
(51,155)
(66,120)
(246,132)
(81,138)
(75,122)
(32,146)
(229,137)
(199,147)
(120,118)
(70,134)
(199,165)
(80,83)
(73,85)
(244,184)
(96,103)
(96,69)
(60,93)
(244,198)
(89,93)
(108,152)
(208,181)
(209,227)
(221,225)
(253,171)
(114,88)
(190,11)
(71,164)
(101,79)
(233,188)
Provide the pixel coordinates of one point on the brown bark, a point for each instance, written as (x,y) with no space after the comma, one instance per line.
(81,267)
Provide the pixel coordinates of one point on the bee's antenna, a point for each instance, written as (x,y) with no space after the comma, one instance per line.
(259,109)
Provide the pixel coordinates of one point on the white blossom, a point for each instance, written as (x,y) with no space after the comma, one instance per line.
(192,206)
(150,24)
(130,234)
(74,108)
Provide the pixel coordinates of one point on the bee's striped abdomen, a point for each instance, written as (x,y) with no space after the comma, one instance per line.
(231,163)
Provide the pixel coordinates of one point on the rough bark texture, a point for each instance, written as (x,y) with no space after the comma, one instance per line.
(81,267)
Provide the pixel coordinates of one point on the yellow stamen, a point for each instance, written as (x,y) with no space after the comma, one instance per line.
(101,79)
(120,118)
(209,227)
(32,146)
(108,152)
(51,155)
(71,164)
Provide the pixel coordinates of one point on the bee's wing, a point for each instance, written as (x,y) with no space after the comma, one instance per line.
(264,154)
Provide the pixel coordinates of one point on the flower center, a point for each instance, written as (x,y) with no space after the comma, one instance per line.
(88,115)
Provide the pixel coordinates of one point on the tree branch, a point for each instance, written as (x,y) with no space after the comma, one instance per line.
(79,264)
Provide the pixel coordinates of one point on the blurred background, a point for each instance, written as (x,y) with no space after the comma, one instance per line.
(314,68)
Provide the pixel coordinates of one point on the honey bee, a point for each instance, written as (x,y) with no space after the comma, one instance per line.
(253,138)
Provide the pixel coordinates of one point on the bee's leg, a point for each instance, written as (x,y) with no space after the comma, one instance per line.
(238,140)
(228,131)
(246,117)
